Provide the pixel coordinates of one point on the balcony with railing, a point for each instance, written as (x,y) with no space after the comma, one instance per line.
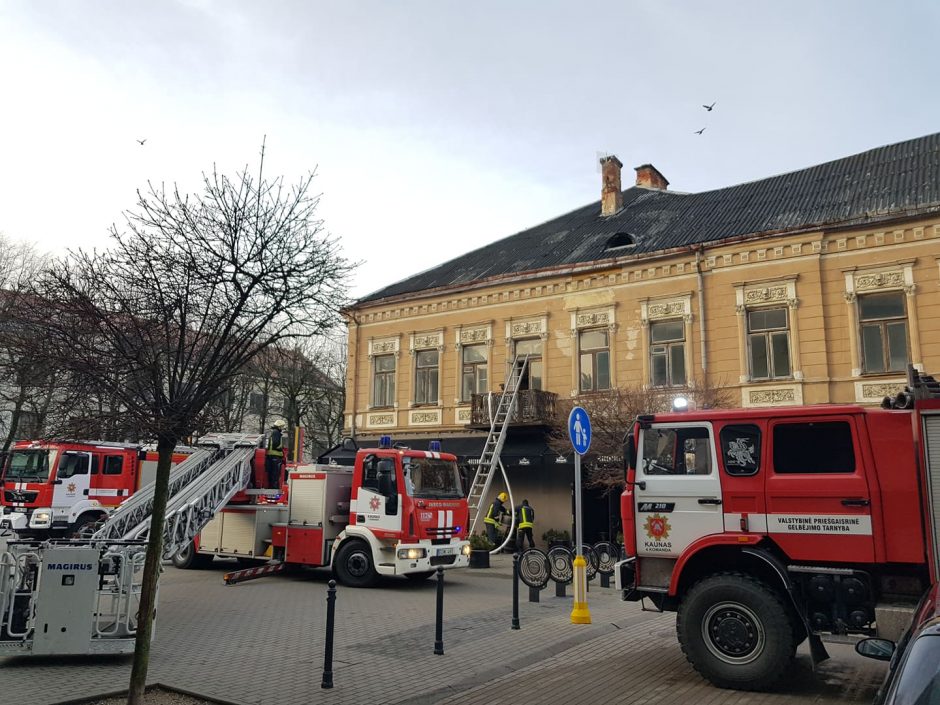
(533,408)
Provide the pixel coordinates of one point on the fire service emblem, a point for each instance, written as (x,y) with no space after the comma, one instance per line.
(374,504)
(70,488)
(657,527)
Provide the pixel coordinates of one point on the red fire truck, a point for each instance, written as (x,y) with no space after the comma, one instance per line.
(396,512)
(765,527)
(58,488)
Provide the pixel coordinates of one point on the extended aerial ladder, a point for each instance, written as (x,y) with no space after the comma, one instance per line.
(490,458)
(81,596)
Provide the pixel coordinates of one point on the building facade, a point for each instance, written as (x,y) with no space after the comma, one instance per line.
(812,287)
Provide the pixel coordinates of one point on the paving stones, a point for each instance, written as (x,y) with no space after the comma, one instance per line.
(261,642)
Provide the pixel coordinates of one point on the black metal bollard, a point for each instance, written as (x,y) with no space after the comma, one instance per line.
(559,589)
(515,590)
(327,681)
(605,580)
(534,594)
(439,627)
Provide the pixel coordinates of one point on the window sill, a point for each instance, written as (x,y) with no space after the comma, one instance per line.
(771,380)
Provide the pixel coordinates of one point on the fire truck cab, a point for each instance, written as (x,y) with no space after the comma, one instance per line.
(762,527)
(50,489)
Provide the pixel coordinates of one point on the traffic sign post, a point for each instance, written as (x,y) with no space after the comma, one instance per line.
(579,430)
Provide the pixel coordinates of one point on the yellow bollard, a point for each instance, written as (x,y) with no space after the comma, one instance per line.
(580,614)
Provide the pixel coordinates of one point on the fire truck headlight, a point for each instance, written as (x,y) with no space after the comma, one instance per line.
(412,554)
(466,549)
(40,519)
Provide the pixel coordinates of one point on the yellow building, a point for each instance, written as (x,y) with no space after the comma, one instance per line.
(816,286)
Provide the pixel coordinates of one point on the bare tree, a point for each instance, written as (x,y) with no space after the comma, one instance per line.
(612,414)
(192,290)
(28,377)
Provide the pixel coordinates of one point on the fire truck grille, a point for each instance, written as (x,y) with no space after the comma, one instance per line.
(442,560)
(19,496)
(443,536)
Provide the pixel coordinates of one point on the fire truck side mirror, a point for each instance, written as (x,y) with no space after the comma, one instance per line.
(629,452)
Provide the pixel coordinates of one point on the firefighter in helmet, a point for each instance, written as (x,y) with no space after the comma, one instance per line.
(494,516)
(526,520)
(274,457)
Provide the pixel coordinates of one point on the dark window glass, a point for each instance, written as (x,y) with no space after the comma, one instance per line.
(113,465)
(595,360)
(813,447)
(883,332)
(676,451)
(740,449)
(768,338)
(383,384)
(667,354)
(426,377)
(474,371)
(918,682)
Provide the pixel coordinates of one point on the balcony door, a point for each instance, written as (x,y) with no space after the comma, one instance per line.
(532,379)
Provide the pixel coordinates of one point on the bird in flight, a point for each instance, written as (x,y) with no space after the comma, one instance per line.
(141,142)
(709,107)
(698,132)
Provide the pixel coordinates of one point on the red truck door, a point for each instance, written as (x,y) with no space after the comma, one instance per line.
(818,500)
(678,491)
(115,479)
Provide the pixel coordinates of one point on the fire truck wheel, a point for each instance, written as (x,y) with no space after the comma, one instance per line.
(84,526)
(353,564)
(188,558)
(736,632)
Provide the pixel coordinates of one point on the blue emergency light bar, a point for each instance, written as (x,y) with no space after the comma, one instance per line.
(434,446)
(385,442)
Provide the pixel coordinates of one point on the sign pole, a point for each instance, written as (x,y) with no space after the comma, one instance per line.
(579,428)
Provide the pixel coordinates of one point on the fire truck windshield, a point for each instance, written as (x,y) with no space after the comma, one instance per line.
(30,465)
(430,477)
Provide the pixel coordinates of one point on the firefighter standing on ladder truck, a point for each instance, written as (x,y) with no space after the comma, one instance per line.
(274,457)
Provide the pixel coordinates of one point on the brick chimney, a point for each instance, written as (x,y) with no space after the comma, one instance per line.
(648,176)
(611,192)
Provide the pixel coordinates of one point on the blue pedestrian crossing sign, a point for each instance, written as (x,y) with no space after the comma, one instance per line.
(579,430)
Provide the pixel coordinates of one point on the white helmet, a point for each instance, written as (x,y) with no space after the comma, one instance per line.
(280,425)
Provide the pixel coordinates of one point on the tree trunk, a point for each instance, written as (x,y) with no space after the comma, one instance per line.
(148,590)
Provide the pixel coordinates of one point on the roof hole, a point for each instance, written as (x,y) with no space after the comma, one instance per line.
(620,240)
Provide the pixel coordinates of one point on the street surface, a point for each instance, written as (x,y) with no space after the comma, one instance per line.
(261,643)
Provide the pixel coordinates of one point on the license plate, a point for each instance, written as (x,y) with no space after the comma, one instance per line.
(446,551)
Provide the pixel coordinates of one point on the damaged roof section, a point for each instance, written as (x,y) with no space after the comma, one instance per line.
(887,182)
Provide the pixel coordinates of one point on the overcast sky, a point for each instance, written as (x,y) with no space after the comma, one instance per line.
(436,127)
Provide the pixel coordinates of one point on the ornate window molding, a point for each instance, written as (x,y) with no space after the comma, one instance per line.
(665,309)
(776,395)
(383,346)
(585,319)
(888,276)
(872,391)
(381,419)
(424,417)
(528,327)
(420,341)
(473,334)
(767,293)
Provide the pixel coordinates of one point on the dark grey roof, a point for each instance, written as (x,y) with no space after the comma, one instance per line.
(887,182)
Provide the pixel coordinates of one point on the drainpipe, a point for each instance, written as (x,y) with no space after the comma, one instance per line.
(355,376)
(701,312)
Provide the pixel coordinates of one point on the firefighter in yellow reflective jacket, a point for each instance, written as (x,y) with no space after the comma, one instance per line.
(493,517)
(274,457)
(525,516)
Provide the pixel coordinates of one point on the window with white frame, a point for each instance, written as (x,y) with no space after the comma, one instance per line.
(383,380)
(768,341)
(426,376)
(594,346)
(667,353)
(882,322)
(473,375)
(533,373)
